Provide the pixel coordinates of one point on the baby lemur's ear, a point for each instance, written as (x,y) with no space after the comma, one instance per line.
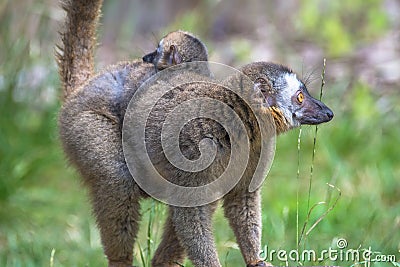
(174,56)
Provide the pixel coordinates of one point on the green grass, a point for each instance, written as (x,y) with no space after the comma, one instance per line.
(52,211)
(49,208)
(45,218)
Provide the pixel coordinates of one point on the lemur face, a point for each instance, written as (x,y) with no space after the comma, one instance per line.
(164,57)
(286,96)
(298,104)
(175,48)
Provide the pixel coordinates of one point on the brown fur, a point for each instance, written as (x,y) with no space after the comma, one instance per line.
(189,230)
(90,131)
(90,123)
(75,55)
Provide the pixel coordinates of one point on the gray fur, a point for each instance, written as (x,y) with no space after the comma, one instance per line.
(90,123)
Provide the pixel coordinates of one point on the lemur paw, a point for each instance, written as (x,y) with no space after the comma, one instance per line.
(259,264)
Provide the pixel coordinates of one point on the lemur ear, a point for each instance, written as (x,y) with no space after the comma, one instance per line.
(264,86)
(260,84)
(174,56)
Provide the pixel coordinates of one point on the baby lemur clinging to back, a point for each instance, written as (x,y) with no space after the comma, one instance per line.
(90,124)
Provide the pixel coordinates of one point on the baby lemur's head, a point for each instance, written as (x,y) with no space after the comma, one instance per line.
(175,48)
(286,96)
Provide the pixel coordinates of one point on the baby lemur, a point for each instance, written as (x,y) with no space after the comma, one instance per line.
(90,123)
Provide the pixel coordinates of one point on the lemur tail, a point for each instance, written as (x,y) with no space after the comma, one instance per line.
(75,55)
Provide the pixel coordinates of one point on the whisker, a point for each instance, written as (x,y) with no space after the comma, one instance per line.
(156,38)
(311,76)
(142,51)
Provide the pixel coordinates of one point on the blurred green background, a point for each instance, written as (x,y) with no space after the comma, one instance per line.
(45,218)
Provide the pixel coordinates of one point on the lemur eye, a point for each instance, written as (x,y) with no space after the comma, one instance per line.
(300,97)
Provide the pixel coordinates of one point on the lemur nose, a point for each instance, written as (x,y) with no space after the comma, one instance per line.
(149,57)
(329,113)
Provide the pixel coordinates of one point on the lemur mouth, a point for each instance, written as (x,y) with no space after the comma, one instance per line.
(313,112)
(315,121)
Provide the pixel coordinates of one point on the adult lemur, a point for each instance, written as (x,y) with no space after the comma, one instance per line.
(90,123)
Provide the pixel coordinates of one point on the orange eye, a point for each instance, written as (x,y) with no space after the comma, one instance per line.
(300,97)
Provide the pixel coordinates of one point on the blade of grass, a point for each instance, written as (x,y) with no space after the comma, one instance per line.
(330,208)
(53,251)
(142,255)
(298,189)
(327,211)
(312,161)
(315,137)
(308,219)
(149,232)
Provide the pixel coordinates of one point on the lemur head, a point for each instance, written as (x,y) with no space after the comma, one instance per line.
(286,96)
(175,48)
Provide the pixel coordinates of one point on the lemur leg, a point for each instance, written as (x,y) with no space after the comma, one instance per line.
(117,216)
(170,251)
(193,227)
(114,194)
(242,209)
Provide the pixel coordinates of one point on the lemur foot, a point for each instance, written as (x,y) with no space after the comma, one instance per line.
(259,264)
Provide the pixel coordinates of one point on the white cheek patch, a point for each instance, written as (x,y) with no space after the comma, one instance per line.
(292,86)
